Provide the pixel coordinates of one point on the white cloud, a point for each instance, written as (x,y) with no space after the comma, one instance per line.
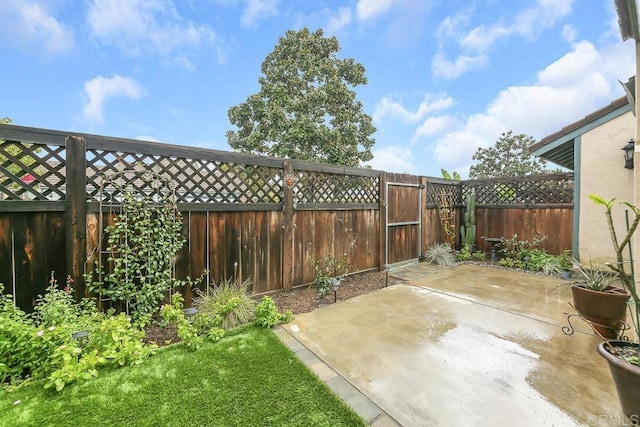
(483,37)
(575,85)
(140,27)
(387,107)
(444,68)
(392,158)
(338,20)
(569,33)
(472,45)
(99,89)
(369,9)
(257,10)
(433,126)
(31,26)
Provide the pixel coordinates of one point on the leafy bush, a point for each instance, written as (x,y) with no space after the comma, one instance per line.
(173,314)
(42,346)
(515,248)
(229,303)
(18,356)
(267,314)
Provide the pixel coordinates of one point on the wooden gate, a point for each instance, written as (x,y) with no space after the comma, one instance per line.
(403,234)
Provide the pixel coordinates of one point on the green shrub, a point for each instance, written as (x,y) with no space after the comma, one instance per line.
(18,355)
(173,314)
(229,303)
(464,254)
(41,346)
(267,314)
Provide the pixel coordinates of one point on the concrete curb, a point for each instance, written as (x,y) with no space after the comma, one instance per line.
(358,401)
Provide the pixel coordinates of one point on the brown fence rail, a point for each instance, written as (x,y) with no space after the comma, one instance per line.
(255,217)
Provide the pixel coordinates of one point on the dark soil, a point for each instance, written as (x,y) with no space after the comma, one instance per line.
(299,300)
(305,298)
(161,336)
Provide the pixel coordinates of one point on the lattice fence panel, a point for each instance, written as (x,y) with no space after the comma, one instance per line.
(31,171)
(317,187)
(195,180)
(536,190)
(444,194)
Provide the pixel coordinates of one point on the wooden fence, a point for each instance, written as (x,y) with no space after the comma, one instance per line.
(255,217)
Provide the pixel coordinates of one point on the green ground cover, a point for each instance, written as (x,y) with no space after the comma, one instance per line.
(247,379)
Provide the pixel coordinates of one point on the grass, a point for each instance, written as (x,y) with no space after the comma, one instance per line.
(246,379)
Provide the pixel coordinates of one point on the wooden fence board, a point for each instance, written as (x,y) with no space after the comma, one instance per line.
(272,217)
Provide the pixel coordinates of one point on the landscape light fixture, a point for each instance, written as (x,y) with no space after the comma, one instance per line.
(387,269)
(335,284)
(628,154)
(190,313)
(81,336)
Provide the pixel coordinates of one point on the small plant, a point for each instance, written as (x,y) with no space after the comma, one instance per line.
(57,306)
(478,255)
(593,278)
(267,314)
(173,314)
(229,303)
(464,254)
(441,254)
(327,269)
(511,263)
(515,248)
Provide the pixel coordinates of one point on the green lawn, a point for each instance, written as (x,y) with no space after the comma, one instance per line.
(247,379)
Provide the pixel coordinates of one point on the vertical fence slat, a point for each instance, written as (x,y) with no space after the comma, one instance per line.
(287,227)
(76,214)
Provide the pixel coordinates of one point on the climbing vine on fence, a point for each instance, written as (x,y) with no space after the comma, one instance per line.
(142,243)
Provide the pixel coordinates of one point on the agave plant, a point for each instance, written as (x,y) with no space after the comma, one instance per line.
(591,277)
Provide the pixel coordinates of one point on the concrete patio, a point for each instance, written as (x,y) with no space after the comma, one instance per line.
(468,346)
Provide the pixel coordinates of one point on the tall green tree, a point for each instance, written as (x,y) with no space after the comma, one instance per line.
(510,156)
(306,108)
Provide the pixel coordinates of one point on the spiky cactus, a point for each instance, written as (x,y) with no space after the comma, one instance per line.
(468,230)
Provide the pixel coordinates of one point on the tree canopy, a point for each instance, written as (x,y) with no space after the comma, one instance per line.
(306,108)
(510,156)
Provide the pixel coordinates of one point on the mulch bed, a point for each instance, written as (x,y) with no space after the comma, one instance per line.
(305,299)
(300,300)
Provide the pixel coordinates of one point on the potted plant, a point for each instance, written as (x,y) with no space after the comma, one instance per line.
(623,356)
(598,300)
(565,261)
(558,265)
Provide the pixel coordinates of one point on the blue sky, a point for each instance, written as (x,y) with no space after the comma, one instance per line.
(445,76)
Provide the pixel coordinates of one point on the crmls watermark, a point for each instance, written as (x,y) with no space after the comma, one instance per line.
(613,420)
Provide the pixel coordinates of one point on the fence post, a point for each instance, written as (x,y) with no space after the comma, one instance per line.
(287,226)
(76,211)
(382,250)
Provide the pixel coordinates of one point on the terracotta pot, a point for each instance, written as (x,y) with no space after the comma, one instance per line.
(605,310)
(626,378)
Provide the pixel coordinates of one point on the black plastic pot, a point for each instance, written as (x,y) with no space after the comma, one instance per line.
(626,378)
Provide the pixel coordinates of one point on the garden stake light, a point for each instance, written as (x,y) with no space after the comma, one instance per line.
(81,336)
(335,284)
(190,313)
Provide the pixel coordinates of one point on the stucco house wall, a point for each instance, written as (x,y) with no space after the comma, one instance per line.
(602,172)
